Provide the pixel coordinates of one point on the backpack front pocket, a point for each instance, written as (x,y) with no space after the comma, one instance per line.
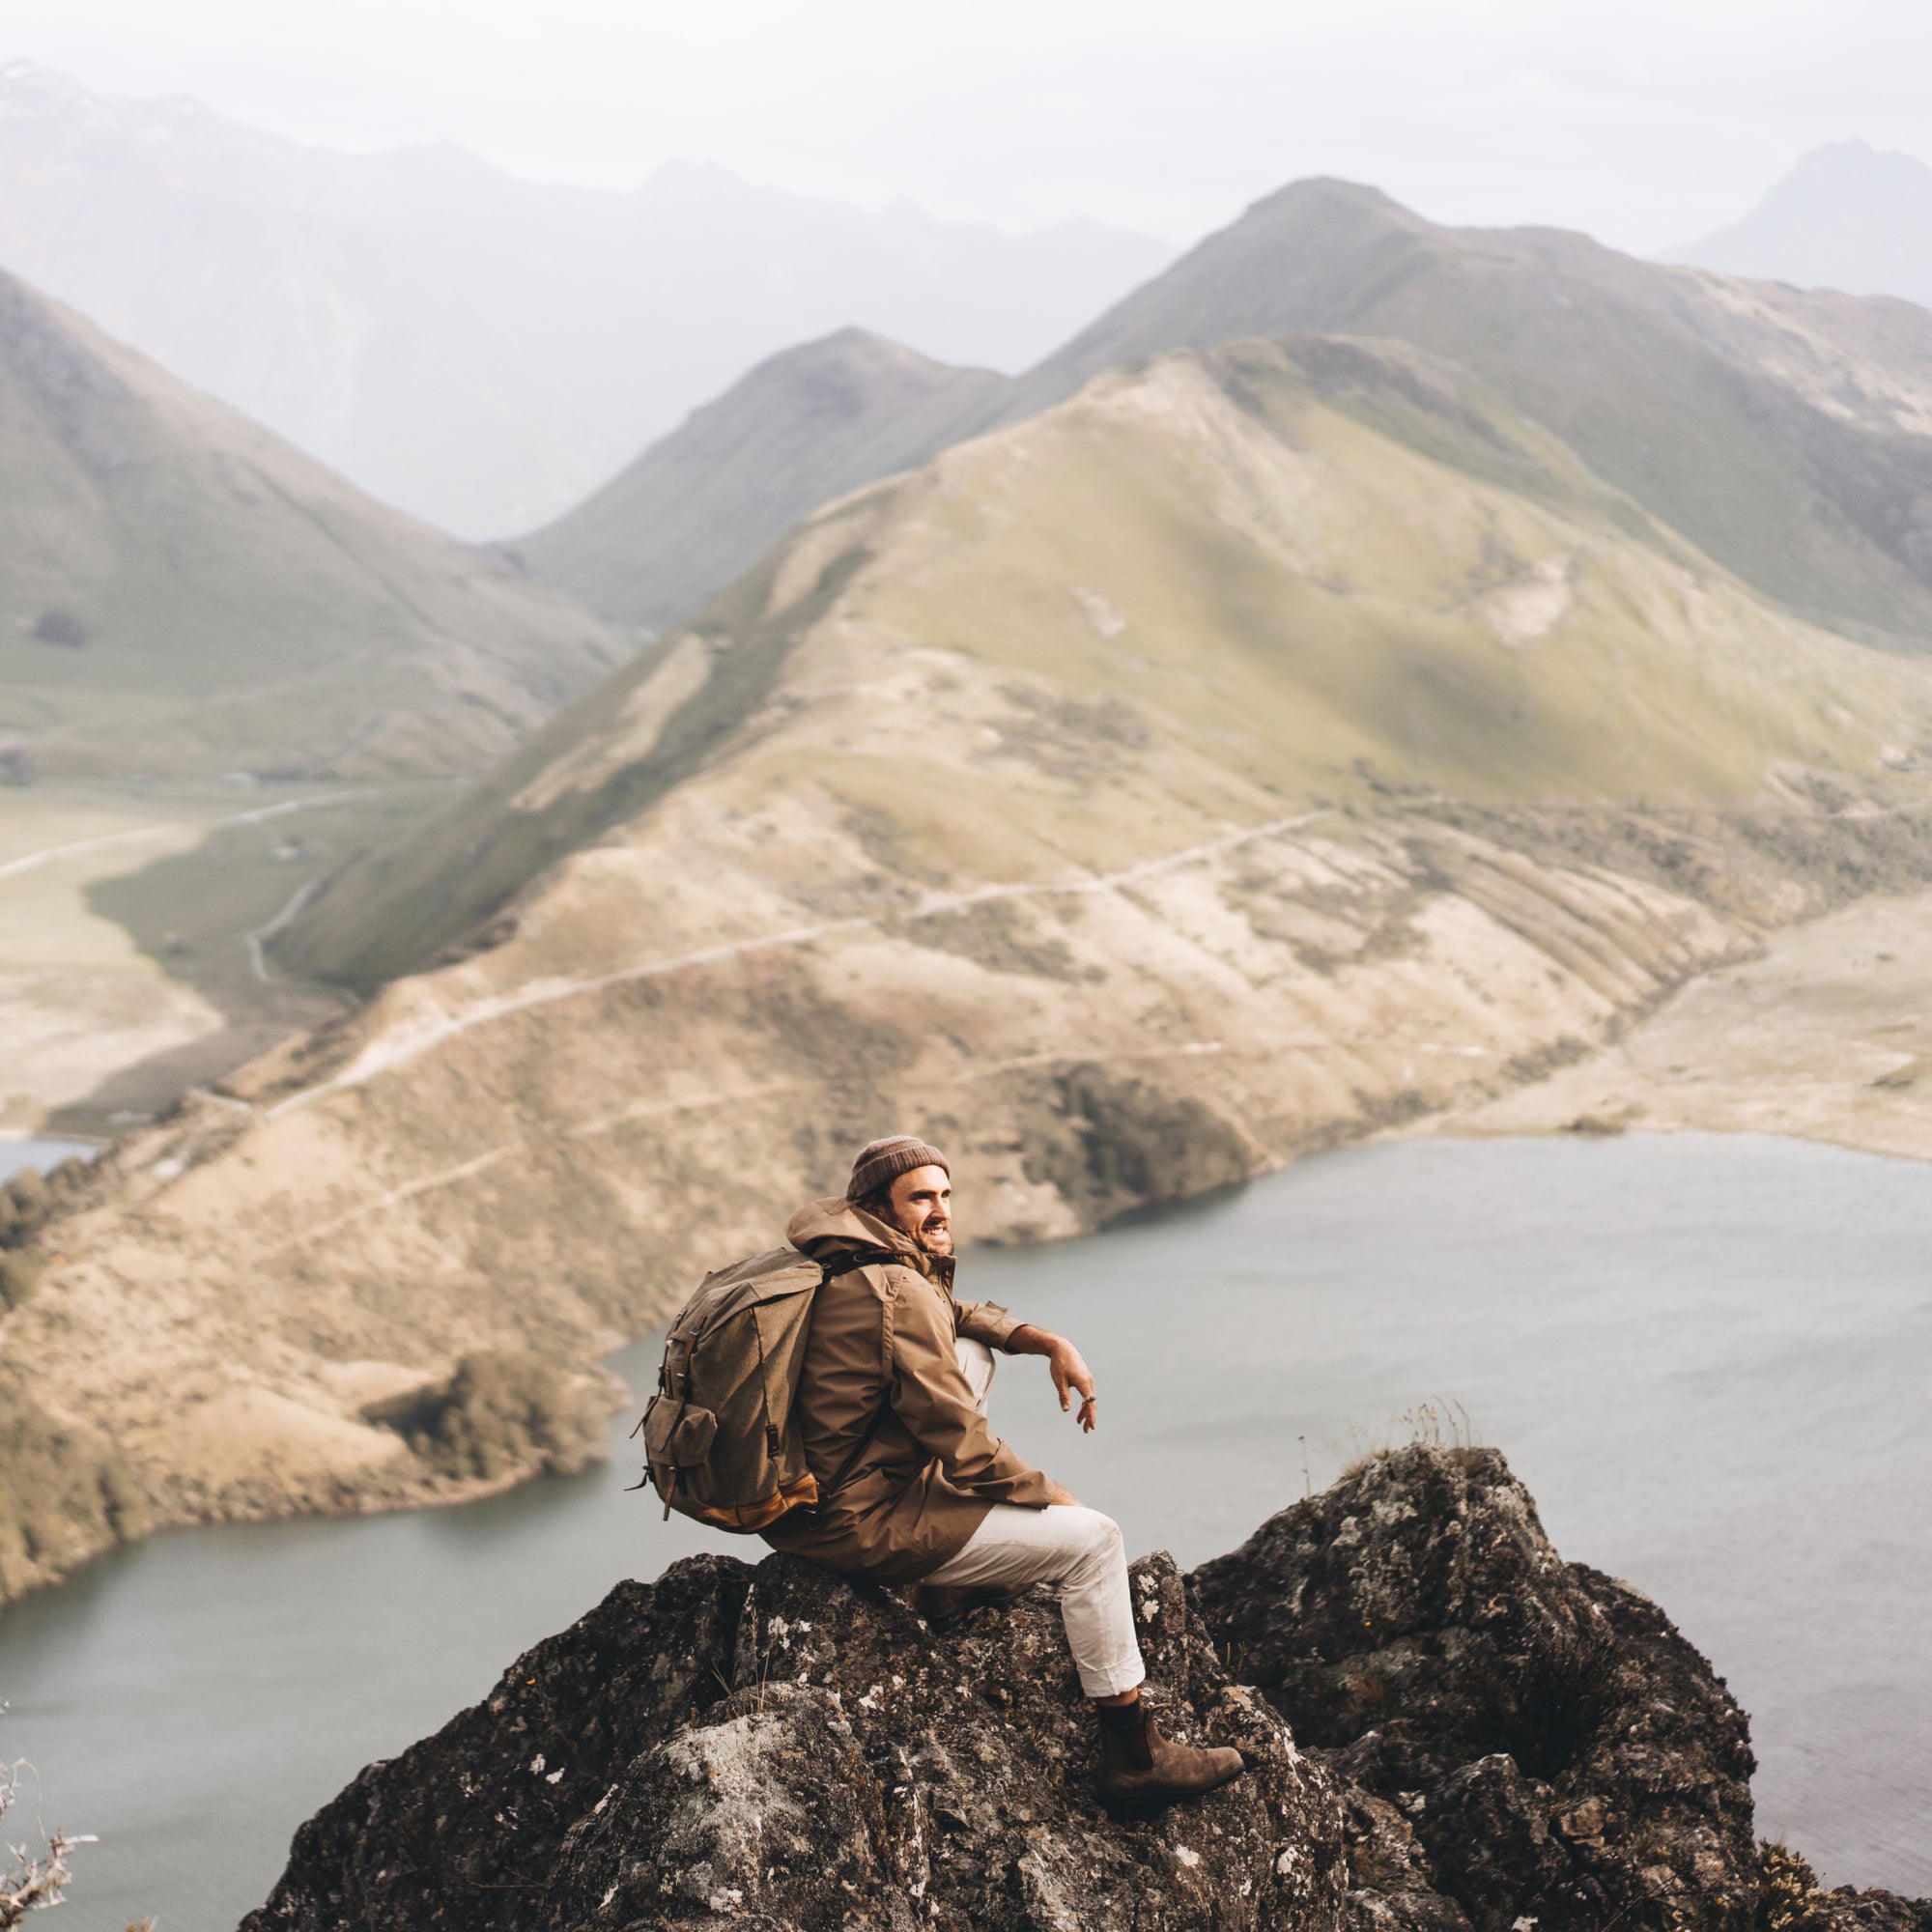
(676,1434)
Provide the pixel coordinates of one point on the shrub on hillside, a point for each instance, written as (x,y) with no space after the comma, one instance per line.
(501,1414)
(24,1205)
(65,1493)
(30,1199)
(1110,1144)
(19,1275)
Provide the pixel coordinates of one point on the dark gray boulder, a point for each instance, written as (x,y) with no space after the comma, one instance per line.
(1557,1751)
(782,1747)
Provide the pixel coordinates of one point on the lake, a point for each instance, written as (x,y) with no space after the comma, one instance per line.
(1709,1358)
(43,1154)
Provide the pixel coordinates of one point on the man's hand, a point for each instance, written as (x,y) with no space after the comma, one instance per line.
(1063,1496)
(1070,1374)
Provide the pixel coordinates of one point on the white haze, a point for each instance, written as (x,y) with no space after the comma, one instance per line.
(1847,216)
(1645,122)
(468,346)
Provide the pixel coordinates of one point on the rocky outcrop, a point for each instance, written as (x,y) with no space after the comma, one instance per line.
(1448,1729)
(1557,1751)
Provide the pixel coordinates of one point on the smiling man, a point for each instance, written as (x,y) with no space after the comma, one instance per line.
(915,1488)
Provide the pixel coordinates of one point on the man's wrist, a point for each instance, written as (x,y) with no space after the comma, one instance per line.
(1029,1339)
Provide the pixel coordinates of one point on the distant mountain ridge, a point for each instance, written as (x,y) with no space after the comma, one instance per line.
(1788,435)
(801,429)
(478,350)
(1847,216)
(182,594)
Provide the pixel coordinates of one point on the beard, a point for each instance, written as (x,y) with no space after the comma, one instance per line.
(933,1240)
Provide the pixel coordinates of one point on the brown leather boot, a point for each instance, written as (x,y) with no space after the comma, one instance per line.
(1141,1770)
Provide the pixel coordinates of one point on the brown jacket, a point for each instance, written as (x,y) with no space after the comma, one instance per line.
(897,1502)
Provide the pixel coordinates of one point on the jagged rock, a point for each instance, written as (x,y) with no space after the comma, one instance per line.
(781,1747)
(463,1830)
(1486,1736)
(1560,1752)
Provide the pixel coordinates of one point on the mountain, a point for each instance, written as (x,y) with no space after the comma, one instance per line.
(183,594)
(1787,435)
(1848,217)
(1267,745)
(1167,552)
(801,429)
(478,350)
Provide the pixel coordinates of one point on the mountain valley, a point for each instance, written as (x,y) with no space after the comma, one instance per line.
(1262,748)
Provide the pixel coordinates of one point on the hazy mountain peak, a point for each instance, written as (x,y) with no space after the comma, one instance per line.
(181,593)
(1847,216)
(479,350)
(806,425)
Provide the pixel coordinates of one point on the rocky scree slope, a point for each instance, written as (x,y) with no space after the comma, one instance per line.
(182,594)
(1259,750)
(1448,1729)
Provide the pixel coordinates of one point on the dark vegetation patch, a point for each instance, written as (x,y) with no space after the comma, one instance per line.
(501,1414)
(1068,737)
(1740,862)
(63,1493)
(999,936)
(28,1202)
(1110,1144)
(890,844)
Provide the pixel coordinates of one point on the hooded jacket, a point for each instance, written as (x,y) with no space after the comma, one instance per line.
(905,1464)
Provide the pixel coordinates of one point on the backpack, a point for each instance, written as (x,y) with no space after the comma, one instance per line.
(721,1442)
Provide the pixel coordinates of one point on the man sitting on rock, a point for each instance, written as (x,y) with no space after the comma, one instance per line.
(914,1487)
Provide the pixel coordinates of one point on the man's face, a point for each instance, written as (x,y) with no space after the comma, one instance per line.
(922,1203)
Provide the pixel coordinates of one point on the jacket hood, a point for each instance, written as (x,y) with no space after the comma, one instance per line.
(833,1227)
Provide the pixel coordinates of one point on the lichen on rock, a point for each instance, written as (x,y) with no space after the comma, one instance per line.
(1447,1728)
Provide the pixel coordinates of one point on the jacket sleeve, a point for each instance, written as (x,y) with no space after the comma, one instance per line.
(984,1322)
(931,1396)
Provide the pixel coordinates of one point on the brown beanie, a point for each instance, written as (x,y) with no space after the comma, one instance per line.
(879,1162)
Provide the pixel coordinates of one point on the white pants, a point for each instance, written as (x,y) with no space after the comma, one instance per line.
(1075,1548)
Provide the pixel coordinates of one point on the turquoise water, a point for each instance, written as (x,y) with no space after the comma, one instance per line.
(1709,1359)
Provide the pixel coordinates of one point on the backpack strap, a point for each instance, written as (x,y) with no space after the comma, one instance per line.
(851,1265)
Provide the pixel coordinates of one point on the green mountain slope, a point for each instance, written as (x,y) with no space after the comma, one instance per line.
(183,594)
(1788,435)
(801,429)
(1285,569)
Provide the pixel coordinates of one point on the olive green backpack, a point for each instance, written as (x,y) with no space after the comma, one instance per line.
(722,1438)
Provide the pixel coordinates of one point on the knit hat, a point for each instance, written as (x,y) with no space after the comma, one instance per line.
(879,1162)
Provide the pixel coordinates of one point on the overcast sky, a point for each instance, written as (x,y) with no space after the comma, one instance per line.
(1645,122)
